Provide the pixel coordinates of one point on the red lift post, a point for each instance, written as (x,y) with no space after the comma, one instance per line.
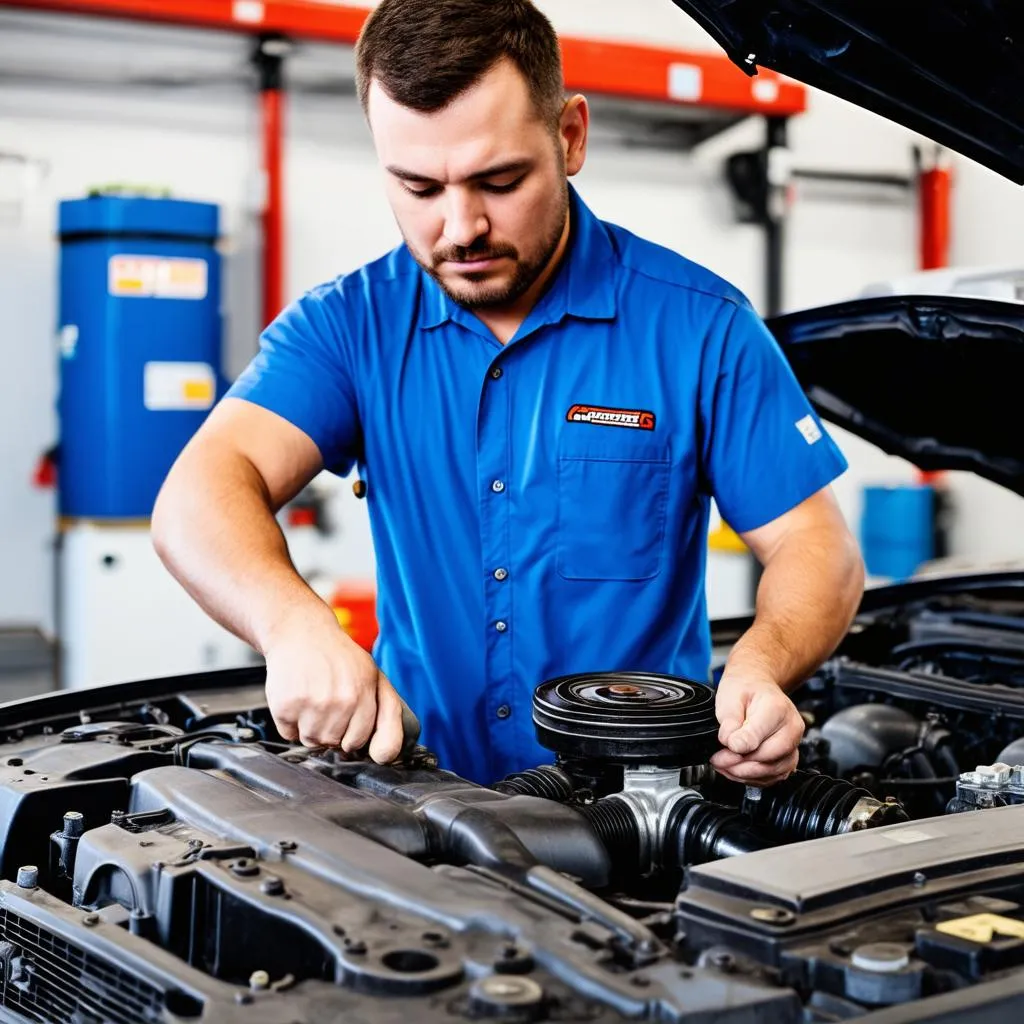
(935,186)
(269,59)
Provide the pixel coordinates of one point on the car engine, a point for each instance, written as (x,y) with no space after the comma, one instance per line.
(167,857)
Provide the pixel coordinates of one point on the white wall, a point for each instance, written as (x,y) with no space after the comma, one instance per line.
(202,142)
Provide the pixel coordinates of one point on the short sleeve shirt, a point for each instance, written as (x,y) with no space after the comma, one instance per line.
(541,508)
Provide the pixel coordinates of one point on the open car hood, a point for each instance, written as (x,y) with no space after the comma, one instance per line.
(934,379)
(948,70)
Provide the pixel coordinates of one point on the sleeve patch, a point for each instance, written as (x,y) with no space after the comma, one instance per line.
(809,429)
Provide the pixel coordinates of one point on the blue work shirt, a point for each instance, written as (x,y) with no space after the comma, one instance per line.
(541,508)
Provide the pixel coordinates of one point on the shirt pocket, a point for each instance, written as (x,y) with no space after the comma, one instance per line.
(612,508)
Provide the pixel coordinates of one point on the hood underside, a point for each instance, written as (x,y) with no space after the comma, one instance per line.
(933,379)
(951,71)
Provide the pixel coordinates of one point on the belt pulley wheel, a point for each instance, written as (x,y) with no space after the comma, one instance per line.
(627,717)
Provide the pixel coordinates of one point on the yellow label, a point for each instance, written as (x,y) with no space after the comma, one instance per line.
(198,390)
(168,385)
(161,277)
(982,927)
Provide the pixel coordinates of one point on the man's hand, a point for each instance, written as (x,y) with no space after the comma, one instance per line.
(808,594)
(760,727)
(326,691)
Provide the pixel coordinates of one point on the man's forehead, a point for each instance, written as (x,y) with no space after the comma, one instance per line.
(476,129)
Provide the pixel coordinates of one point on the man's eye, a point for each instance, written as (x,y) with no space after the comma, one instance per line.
(510,187)
(422,193)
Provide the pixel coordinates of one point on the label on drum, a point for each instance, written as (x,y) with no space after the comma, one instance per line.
(179,386)
(158,277)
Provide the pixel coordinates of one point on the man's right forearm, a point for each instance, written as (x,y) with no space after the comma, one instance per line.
(215,530)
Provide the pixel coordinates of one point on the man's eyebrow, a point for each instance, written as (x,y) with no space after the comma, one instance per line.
(509,167)
(405,175)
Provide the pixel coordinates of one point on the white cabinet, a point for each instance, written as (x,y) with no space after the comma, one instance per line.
(121,616)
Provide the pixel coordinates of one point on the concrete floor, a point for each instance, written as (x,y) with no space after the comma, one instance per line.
(27,664)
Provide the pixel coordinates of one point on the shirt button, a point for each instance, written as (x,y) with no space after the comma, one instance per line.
(501,625)
(504,711)
(500,574)
(496,372)
(497,487)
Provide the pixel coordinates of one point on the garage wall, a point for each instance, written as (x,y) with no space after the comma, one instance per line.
(201,142)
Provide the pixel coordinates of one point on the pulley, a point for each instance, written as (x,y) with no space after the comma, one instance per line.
(628,718)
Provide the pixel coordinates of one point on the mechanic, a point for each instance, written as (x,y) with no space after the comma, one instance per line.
(542,406)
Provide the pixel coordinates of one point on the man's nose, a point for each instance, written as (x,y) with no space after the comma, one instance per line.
(465,220)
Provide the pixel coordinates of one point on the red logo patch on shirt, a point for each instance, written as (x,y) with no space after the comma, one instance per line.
(602,416)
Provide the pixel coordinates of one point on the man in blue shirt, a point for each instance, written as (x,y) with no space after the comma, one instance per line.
(542,406)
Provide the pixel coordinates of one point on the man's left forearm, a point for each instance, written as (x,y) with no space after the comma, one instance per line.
(807,598)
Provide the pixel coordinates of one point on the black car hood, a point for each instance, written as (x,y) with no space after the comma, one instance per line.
(934,379)
(951,71)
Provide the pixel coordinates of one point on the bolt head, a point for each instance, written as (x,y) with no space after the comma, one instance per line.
(28,876)
(773,915)
(259,980)
(504,992)
(501,987)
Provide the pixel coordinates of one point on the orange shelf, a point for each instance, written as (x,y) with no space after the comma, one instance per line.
(693,79)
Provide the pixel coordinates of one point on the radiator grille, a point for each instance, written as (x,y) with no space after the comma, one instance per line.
(46,978)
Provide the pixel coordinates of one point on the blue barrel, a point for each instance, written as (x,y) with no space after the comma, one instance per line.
(897,529)
(140,341)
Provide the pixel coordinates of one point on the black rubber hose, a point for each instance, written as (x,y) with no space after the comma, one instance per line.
(946,759)
(618,830)
(699,831)
(476,836)
(810,806)
(548,781)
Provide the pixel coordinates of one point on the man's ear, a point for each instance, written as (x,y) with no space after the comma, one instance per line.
(572,129)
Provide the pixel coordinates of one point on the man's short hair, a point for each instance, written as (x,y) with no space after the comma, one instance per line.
(425,53)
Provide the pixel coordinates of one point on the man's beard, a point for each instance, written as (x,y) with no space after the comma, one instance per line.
(524,275)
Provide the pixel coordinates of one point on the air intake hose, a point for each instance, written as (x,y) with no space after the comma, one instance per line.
(699,831)
(619,831)
(811,806)
(696,832)
(548,781)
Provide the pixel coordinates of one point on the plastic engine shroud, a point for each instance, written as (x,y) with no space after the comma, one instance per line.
(627,717)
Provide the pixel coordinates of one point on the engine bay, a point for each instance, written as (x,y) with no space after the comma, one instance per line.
(166,856)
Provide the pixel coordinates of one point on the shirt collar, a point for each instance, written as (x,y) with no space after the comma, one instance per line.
(583,286)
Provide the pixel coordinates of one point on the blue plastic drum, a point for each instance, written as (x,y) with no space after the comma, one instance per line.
(140,342)
(898,529)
